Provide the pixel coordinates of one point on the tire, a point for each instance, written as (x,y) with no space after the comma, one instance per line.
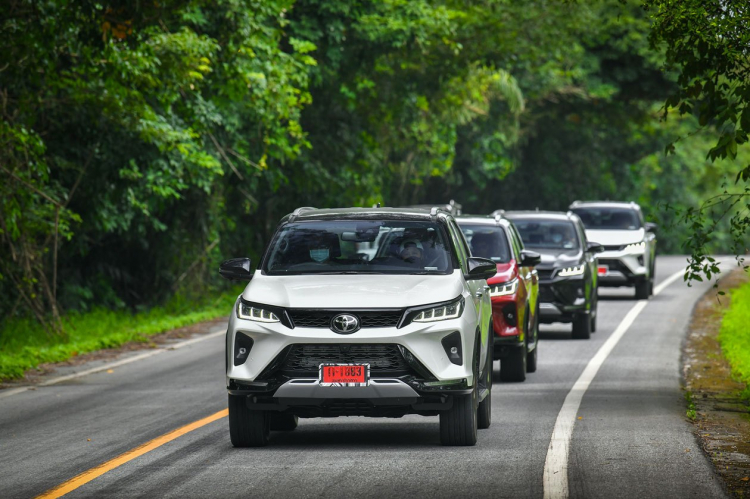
(247,428)
(283,422)
(532,355)
(458,425)
(484,411)
(641,290)
(513,365)
(531,359)
(581,327)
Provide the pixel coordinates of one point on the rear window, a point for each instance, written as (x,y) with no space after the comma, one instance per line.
(608,218)
(487,242)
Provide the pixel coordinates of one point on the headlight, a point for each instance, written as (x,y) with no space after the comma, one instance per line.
(504,289)
(571,271)
(636,249)
(452,310)
(255,314)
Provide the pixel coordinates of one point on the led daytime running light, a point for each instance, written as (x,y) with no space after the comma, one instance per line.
(636,249)
(504,289)
(255,314)
(446,312)
(571,271)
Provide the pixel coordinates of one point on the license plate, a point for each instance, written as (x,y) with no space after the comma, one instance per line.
(344,374)
(603,269)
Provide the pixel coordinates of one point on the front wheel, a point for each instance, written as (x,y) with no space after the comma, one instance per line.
(247,428)
(581,327)
(642,290)
(458,425)
(513,365)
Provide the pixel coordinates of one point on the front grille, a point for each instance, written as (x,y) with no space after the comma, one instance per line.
(546,295)
(545,274)
(617,247)
(384,360)
(322,318)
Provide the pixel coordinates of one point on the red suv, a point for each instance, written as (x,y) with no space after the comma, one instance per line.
(514,291)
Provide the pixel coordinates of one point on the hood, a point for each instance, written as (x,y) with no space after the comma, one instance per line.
(352,291)
(615,237)
(505,272)
(552,260)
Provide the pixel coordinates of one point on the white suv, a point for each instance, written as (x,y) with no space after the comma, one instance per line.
(629,257)
(326,329)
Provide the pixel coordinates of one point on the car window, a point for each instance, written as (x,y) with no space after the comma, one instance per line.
(487,241)
(548,234)
(352,247)
(459,242)
(607,218)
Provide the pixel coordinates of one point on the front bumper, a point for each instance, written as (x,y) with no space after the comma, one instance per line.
(423,363)
(561,298)
(623,269)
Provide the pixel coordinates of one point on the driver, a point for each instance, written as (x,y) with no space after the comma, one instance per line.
(411,251)
(563,236)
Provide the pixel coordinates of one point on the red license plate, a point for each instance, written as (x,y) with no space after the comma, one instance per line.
(344,374)
(603,269)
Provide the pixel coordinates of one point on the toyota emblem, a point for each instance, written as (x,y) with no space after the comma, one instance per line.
(345,324)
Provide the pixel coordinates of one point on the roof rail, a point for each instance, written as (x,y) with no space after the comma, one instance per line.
(497,212)
(577,201)
(299,211)
(434,211)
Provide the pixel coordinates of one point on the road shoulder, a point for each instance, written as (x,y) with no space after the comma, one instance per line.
(721,419)
(84,362)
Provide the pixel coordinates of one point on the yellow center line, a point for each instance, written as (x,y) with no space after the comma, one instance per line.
(128,456)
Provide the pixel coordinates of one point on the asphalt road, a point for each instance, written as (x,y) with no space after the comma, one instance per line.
(630,437)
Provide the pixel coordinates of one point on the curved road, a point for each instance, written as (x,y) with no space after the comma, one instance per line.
(629,435)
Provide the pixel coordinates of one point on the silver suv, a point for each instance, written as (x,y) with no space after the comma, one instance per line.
(361,312)
(629,257)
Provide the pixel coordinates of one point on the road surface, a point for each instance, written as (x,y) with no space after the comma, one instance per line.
(629,437)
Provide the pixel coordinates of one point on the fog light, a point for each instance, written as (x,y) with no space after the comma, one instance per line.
(509,314)
(242,346)
(452,346)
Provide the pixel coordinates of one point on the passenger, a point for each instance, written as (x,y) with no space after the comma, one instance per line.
(411,251)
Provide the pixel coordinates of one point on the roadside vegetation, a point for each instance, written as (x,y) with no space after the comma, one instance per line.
(25,344)
(141,143)
(734,336)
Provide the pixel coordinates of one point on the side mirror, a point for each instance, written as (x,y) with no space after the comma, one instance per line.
(530,258)
(236,269)
(651,227)
(594,247)
(481,268)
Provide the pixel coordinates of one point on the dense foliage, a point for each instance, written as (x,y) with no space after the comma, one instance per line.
(142,142)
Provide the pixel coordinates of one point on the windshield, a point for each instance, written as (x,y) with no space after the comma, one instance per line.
(609,218)
(548,234)
(359,247)
(487,242)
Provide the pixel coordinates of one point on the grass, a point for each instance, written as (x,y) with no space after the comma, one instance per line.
(734,336)
(690,413)
(24,344)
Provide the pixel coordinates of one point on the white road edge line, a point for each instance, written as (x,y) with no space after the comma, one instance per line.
(556,465)
(117,363)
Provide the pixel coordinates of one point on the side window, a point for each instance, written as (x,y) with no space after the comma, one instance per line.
(459,242)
